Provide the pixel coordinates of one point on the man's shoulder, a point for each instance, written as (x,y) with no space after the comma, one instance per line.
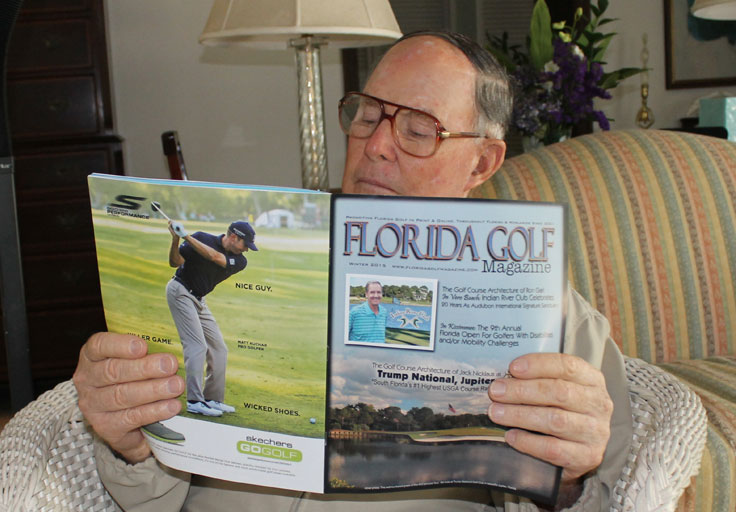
(206,238)
(240,262)
(360,307)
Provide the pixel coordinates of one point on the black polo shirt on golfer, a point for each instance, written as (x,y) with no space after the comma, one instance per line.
(200,275)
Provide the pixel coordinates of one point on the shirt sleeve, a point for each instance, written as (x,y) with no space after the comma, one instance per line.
(143,487)
(587,335)
(186,250)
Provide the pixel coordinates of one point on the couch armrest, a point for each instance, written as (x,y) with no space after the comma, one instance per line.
(670,429)
(47,458)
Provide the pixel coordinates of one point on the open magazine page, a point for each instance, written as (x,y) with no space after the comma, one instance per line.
(431,299)
(272,316)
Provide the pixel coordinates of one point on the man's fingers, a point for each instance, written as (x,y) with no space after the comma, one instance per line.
(552,421)
(115,426)
(567,395)
(121,429)
(556,366)
(121,397)
(115,371)
(104,345)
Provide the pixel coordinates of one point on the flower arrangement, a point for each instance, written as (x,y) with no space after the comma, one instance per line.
(560,74)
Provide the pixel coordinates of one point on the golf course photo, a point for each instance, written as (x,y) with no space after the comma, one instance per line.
(272,314)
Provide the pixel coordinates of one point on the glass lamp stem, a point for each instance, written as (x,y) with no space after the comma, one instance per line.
(311,113)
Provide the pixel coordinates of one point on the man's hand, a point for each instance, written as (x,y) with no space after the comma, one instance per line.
(178,228)
(564,399)
(121,388)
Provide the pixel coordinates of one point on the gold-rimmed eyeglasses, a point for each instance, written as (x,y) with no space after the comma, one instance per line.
(415,132)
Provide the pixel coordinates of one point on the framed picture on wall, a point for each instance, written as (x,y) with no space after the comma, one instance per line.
(698,52)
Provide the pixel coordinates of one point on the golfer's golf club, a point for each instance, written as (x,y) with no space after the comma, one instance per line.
(177,226)
(156,207)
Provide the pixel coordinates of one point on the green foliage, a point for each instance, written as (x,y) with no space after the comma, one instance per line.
(540,43)
(337,483)
(420,295)
(584,32)
(361,416)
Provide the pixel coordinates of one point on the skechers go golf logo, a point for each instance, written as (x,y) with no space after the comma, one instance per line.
(271,452)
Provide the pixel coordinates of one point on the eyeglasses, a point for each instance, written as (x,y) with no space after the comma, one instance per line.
(415,132)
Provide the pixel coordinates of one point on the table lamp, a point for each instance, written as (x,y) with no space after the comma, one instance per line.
(304,25)
(715,9)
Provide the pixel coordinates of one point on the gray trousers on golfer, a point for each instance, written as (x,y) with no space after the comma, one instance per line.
(201,341)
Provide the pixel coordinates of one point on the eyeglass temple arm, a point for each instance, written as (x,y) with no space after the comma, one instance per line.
(456,135)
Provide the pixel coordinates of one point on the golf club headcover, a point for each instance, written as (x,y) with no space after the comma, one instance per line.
(178,228)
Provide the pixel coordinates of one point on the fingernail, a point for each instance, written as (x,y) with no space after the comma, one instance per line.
(166,364)
(497,411)
(173,385)
(510,436)
(136,346)
(519,366)
(498,388)
(173,406)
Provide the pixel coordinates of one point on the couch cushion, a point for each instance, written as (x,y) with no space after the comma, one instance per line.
(714,380)
(652,237)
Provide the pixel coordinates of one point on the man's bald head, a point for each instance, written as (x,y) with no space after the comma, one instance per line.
(493,92)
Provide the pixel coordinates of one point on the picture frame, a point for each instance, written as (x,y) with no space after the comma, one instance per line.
(698,52)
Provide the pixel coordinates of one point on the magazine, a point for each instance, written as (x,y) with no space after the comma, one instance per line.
(353,333)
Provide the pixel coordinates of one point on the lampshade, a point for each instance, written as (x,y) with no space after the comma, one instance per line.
(271,24)
(715,9)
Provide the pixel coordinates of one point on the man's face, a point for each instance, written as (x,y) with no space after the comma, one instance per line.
(374,294)
(233,243)
(428,74)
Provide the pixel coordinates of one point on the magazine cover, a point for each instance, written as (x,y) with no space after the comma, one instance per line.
(431,299)
(323,338)
(258,324)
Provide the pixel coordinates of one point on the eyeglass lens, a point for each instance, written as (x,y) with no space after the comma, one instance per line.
(415,132)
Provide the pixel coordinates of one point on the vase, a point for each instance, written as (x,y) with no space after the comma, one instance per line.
(553,135)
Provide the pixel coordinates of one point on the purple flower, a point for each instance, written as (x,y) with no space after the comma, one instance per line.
(559,96)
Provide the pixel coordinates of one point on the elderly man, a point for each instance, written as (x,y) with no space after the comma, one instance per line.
(461,96)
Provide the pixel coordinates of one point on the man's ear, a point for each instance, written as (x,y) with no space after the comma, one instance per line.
(491,158)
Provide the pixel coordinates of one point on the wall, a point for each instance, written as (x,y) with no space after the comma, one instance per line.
(235,109)
(636,17)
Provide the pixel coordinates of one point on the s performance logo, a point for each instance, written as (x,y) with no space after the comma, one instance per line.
(128,202)
(127,206)
(269,451)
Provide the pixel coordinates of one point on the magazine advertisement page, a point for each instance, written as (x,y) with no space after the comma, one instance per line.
(431,299)
(234,282)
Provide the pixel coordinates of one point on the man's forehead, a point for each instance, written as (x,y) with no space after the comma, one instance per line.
(413,71)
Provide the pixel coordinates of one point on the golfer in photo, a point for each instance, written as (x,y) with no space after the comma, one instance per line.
(367,322)
(203,261)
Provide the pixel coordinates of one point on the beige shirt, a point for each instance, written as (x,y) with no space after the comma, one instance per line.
(149,486)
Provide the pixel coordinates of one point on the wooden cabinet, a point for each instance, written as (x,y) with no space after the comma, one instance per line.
(60,116)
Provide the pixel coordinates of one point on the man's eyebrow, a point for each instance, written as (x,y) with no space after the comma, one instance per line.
(426,110)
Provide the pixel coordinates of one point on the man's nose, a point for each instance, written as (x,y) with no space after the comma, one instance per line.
(381,144)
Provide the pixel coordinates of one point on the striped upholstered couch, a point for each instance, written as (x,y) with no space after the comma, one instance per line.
(653,247)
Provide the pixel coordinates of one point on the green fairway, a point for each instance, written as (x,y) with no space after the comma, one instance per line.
(408,337)
(276,337)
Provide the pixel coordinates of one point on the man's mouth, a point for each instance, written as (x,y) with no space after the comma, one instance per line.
(373,186)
